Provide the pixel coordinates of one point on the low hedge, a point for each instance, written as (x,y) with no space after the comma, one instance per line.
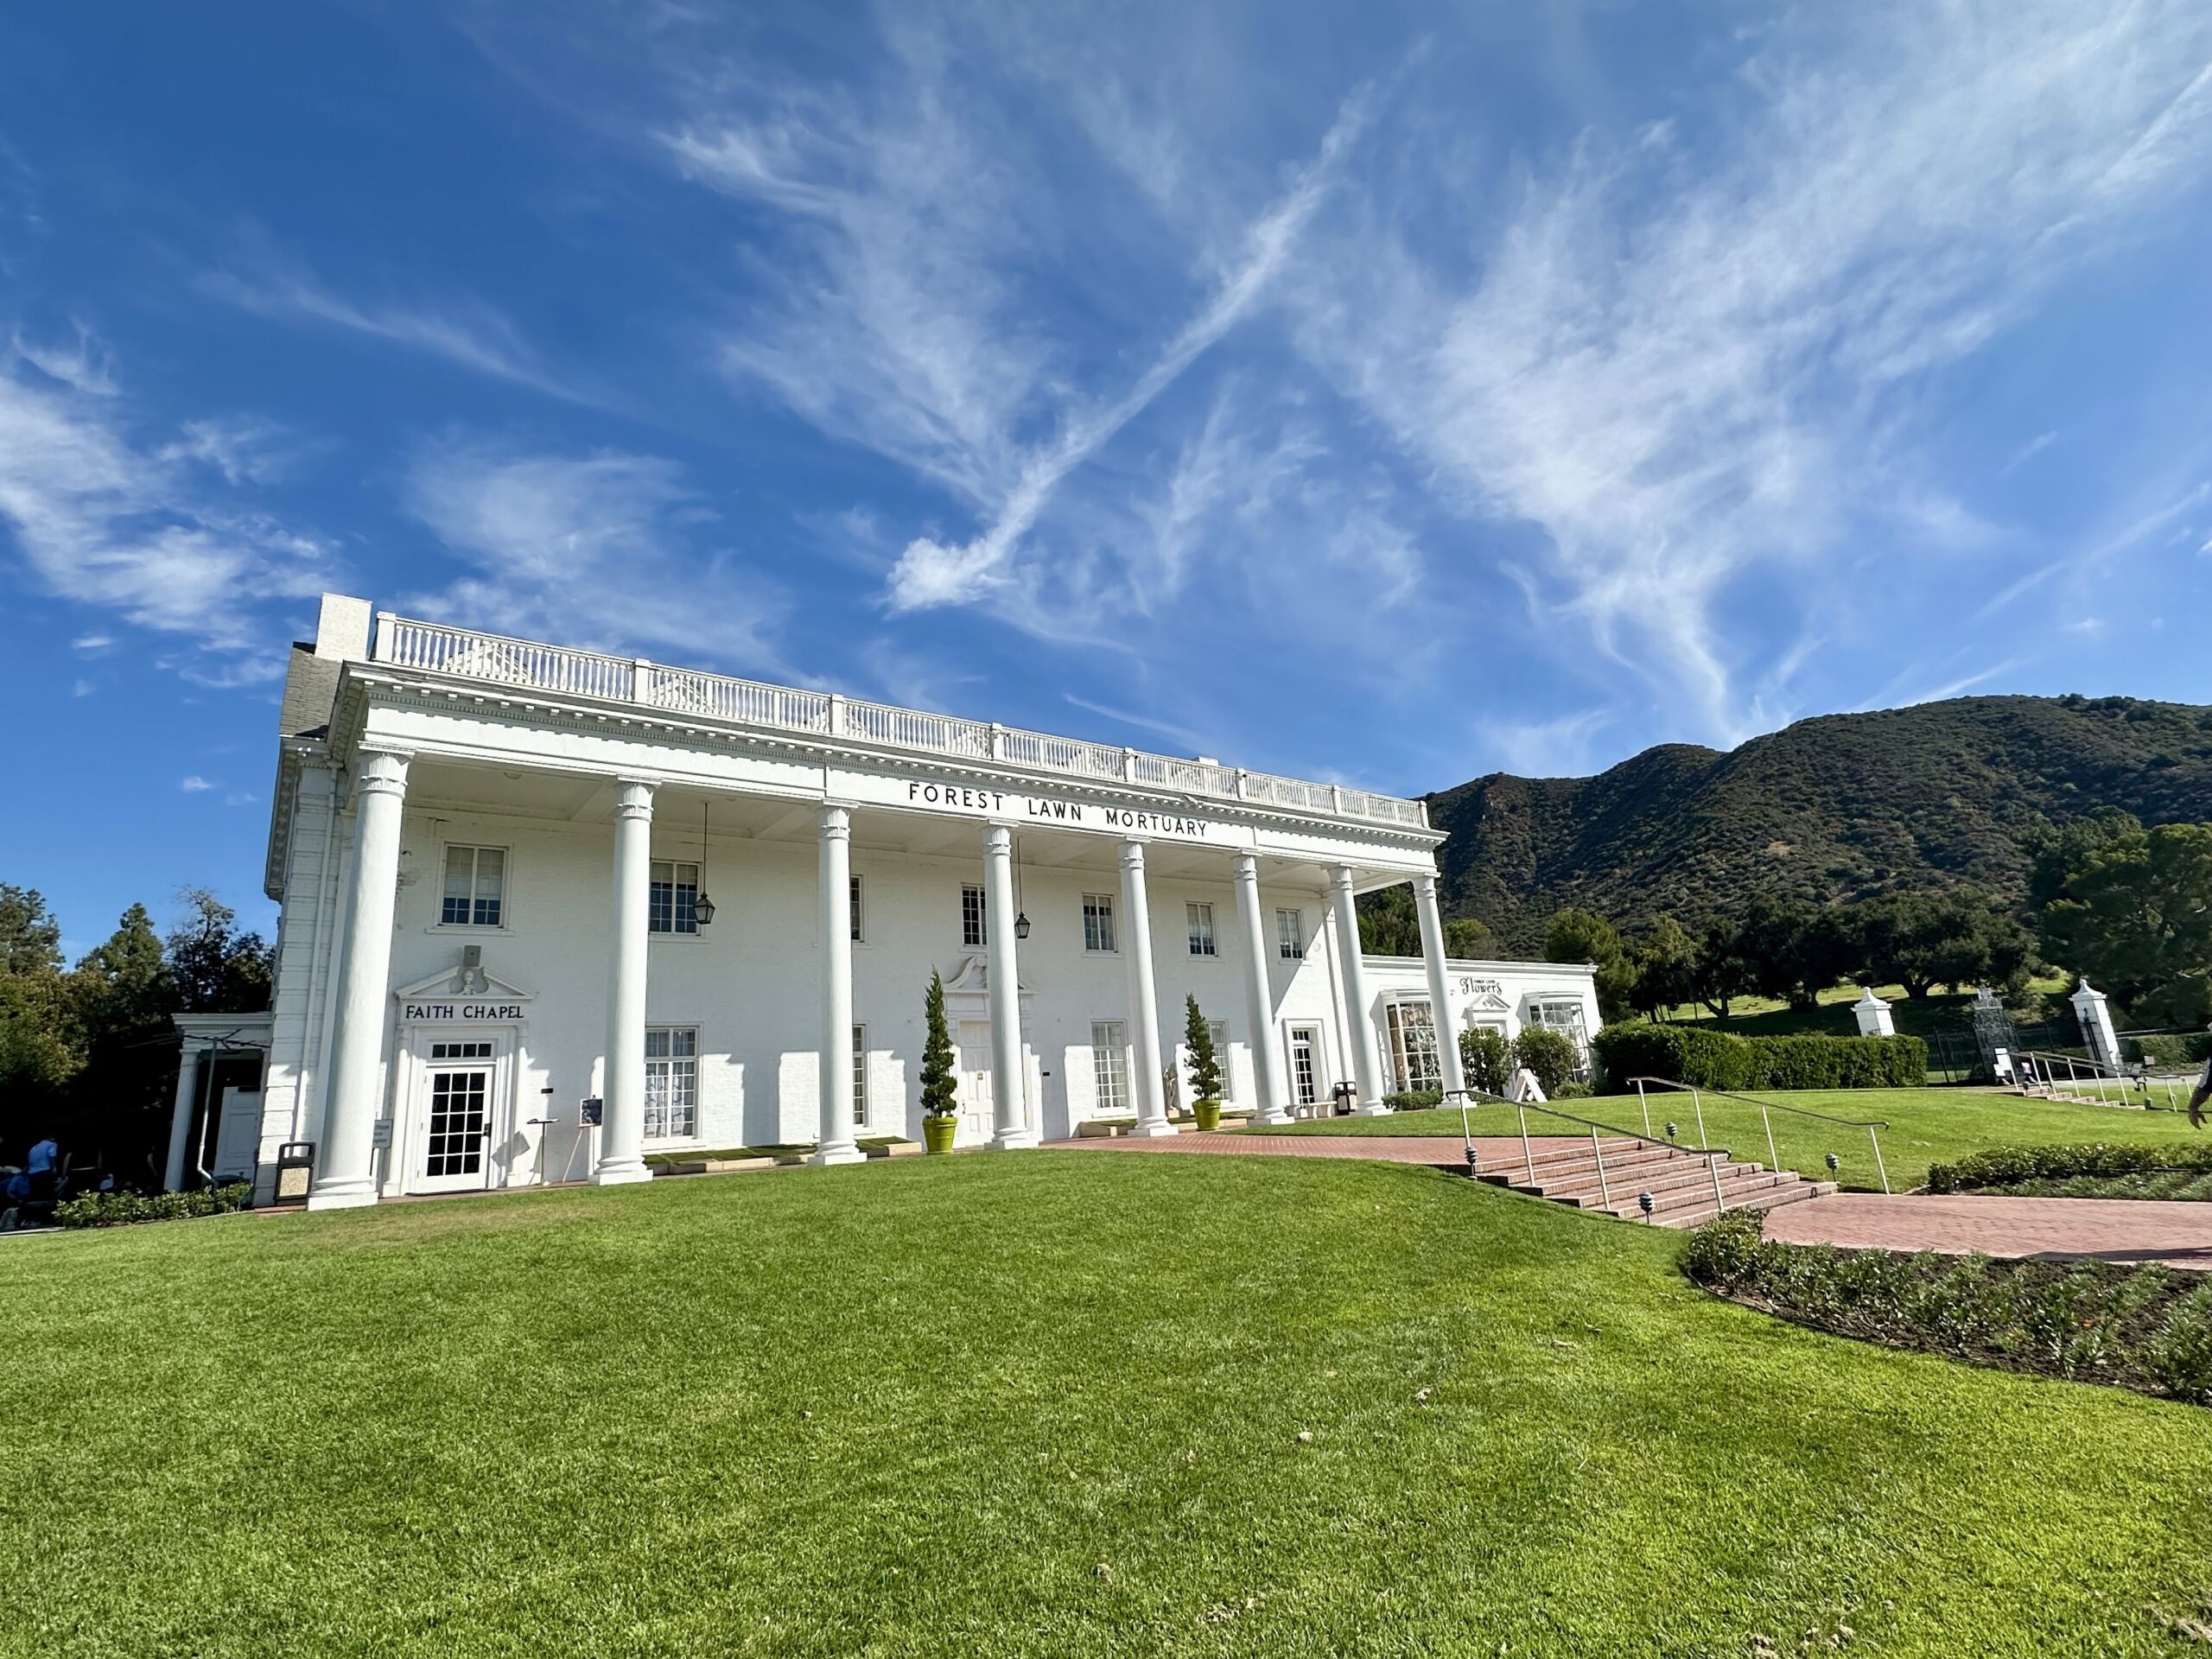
(2146,1328)
(122,1208)
(1721,1060)
(2175,1052)
(2010,1165)
(1414,1100)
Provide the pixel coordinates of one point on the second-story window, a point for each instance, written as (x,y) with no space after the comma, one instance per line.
(971,917)
(860,928)
(672,907)
(1290,935)
(1098,921)
(476,881)
(1200,918)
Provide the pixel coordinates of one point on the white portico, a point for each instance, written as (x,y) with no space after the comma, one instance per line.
(547,912)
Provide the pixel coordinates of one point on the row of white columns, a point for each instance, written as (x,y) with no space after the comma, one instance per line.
(345,1174)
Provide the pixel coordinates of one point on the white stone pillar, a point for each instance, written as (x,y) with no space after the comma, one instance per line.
(835,1080)
(1013,1128)
(346,1160)
(1359,1027)
(1873,1015)
(1441,1007)
(1259,996)
(622,1092)
(2090,1008)
(188,1074)
(1144,1002)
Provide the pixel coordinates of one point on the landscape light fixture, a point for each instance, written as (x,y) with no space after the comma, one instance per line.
(1646,1203)
(702,908)
(1834,1163)
(1670,1128)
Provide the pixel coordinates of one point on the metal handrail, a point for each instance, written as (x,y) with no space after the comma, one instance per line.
(1774,1158)
(1597,1150)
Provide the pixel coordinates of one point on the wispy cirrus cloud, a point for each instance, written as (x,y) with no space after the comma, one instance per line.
(605,548)
(1689,364)
(462,331)
(106,517)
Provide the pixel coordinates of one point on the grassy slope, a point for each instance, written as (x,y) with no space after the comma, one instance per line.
(1045,1404)
(1927,1126)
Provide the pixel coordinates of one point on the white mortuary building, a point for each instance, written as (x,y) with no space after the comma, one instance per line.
(524,886)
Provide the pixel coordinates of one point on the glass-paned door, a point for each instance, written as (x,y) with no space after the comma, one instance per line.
(975,1123)
(1306,1065)
(457,1120)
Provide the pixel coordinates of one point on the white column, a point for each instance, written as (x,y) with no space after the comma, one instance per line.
(1441,1007)
(188,1074)
(344,1161)
(1144,1004)
(834,1079)
(1012,1128)
(1359,1027)
(622,1092)
(1259,996)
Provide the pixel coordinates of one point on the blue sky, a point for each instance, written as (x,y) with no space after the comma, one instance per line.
(1387,394)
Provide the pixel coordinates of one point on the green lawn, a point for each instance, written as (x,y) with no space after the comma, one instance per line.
(1914,1016)
(1043,1403)
(1927,1126)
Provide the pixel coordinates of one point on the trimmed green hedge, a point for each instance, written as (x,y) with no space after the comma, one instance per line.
(1414,1100)
(122,1209)
(2147,1328)
(2010,1165)
(2175,1052)
(1721,1060)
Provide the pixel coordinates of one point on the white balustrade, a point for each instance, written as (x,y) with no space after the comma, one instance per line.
(472,655)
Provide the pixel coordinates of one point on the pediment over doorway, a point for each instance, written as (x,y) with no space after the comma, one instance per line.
(973,978)
(464,979)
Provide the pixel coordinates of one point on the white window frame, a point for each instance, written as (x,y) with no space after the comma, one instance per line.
(857,891)
(1220,1030)
(1098,924)
(1564,1016)
(678,912)
(1290,935)
(475,851)
(678,1073)
(1110,1069)
(1197,919)
(974,917)
(1416,1062)
(860,1077)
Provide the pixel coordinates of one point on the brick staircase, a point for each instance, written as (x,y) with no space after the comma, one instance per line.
(1680,1182)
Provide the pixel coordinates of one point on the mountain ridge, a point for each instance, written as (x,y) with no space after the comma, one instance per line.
(1834,807)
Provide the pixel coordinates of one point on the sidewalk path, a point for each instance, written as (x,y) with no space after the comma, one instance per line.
(2178,1234)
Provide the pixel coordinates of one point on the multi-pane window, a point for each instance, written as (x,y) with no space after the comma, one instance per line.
(860,930)
(971,917)
(1566,1018)
(1098,921)
(672,905)
(1413,1046)
(671,1083)
(476,881)
(1109,1065)
(1290,935)
(860,1075)
(1200,918)
(1220,1030)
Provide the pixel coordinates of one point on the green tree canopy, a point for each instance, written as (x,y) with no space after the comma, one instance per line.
(1583,935)
(1665,958)
(2134,913)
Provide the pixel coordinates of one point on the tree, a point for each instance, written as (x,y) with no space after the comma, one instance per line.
(218,969)
(1388,923)
(1665,959)
(2134,915)
(1205,1065)
(2057,854)
(1794,951)
(1466,937)
(1487,1057)
(940,1084)
(38,1050)
(1723,971)
(1583,935)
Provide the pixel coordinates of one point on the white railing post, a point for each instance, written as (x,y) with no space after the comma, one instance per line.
(998,740)
(382,642)
(1644,1101)
(1528,1153)
(1337,799)
(1597,1152)
(1719,1202)
(836,715)
(1773,1158)
(1879,1169)
(1697,1101)
(641,679)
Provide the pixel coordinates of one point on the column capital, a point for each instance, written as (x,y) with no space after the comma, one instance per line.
(1340,876)
(1425,881)
(633,798)
(1245,864)
(998,838)
(836,822)
(1132,855)
(381,770)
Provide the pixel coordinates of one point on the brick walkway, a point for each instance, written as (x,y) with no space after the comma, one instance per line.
(2111,1230)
